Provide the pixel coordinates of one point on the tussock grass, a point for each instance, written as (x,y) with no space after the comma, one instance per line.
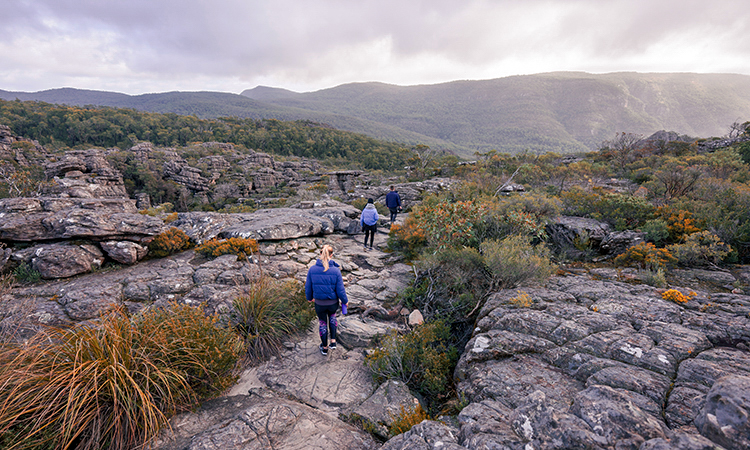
(266,313)
(110,384)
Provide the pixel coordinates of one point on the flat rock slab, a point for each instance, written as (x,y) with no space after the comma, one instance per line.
(333,383)
(260,422)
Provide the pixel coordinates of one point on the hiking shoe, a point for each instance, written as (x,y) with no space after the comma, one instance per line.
(323,350)
(332,345)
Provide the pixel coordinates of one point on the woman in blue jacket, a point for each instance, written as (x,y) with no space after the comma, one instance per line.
(325,287)
(369,221)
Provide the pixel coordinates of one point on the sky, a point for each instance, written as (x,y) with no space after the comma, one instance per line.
(147,46)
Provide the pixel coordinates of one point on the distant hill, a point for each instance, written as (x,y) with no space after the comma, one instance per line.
(559,111)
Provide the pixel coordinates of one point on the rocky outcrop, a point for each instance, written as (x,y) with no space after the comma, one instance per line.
(260,421)
(598,364)
(83,174)
(45,218)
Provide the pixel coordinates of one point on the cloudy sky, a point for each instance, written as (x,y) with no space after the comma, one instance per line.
(141,46)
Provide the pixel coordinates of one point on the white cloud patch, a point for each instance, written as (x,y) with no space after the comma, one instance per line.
(140,46)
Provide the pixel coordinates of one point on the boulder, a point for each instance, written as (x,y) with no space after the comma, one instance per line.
(353,332)
(125,252)
(64,260)
(725,417)
(619,241)
(279,224)
(389,401)
(427,435)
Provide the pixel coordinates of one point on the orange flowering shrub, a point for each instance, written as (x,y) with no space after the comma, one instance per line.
(408,238)
(438,224)
(645,255)
(673,295)
(232,246)
(169,242)
(679,222)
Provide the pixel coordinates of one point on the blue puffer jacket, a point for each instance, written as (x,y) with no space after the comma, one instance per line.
(369,215)
(325,286)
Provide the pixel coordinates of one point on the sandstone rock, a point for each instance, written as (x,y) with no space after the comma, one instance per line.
(353,332)
(124,252)
(415,318)
(278,224)
(259,422)
(63,260)
(390,400)
(568,233)
(428,435)
(42,218)
(619,241)
(725,417)
(611,414)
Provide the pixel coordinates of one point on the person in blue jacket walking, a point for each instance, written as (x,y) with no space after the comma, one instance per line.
(325,287)
(369,221)
(393,202)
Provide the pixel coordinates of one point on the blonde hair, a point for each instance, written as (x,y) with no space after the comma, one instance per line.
(326,253)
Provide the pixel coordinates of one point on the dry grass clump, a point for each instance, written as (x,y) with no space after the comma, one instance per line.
(110,384)
(267,313)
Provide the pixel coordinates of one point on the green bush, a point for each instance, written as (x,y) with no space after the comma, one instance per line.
(514,261)
(700,249)
(168,243)
(110,384)
(267,313)
(26,274)
(450,283)
(657,231)
(424,359)
(620,210)
(383,210)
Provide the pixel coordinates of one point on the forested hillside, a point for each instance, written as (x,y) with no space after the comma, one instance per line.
(562,112)
(73,126)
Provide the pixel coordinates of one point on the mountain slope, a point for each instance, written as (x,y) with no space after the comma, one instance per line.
(559,111)
(563,110)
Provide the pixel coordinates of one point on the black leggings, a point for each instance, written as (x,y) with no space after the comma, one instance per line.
(327,321)
(370,231)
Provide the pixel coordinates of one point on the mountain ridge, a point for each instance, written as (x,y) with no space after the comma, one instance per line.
(555,111)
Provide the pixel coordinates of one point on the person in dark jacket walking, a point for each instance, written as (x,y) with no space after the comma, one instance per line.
(325,287)
(369,221)
(393,202)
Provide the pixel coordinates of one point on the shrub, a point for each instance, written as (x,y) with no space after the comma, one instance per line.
(404,420)
(232,246)
(514,261)
(267,313)
(679,222)
(383,210)
(448,224)
(646,256)
(620,210)
(522,300)
(26,274)
(657,231)
(169,242)
(408,238)
(110,384)
(654,277)
(700,249)
(423,359)
(450,282)
(673,295)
